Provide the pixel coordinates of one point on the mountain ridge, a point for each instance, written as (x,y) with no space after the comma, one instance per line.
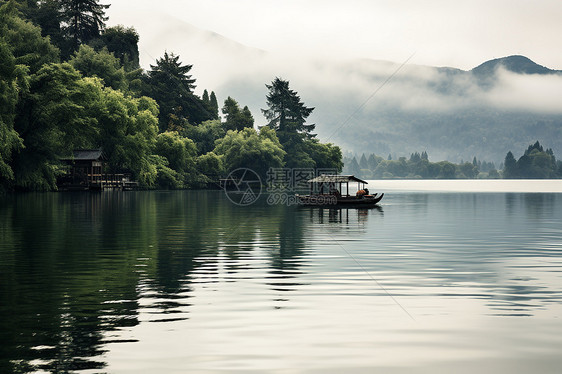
(378,106)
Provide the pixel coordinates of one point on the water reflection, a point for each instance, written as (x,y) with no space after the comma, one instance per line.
(342,215)
(79,271)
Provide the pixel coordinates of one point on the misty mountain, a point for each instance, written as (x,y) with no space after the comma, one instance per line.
(515,64)
(501,105)
(383,107)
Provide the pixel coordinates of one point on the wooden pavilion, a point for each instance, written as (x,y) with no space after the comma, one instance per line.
(85,171)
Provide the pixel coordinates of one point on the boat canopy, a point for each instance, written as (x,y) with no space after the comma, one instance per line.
(332,178)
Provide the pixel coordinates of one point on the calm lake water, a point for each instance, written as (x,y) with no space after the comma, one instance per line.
(438,279)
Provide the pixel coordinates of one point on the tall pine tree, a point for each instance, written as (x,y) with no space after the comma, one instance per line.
(287,114)
(83,20)
(171,85)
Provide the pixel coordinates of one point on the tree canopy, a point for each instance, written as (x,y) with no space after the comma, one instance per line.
(236,118)
(171,85)
(286,113)
(82,20)
(536,163)
(67,83)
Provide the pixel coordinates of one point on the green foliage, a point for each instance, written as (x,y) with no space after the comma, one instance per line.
(205,135)
(170,84)
(535,163)
(236,118)
(13,80)
(467,170)
(179,151)
(214,105)
(128,132)
(100,64)
(123,43)
(94,101)
(24,39)
(83,20)
(416,167)
(324,156)
(510,166)
(211,167)
(55,117)
(64,111)
(249,149)
(287,114)
(210,103)
(48,16)
(163,175)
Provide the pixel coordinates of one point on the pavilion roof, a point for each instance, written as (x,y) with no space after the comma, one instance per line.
(333,178)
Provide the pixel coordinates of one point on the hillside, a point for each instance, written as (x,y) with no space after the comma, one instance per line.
(500,105)
(516,64)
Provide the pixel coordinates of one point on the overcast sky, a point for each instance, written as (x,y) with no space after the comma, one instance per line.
(456,33)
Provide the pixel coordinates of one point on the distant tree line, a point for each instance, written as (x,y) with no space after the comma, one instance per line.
(67,82)
(535,163)
(417,166)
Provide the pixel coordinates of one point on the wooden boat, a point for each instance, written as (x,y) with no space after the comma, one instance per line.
(326,190)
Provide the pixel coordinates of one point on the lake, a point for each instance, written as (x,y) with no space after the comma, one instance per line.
(456,276)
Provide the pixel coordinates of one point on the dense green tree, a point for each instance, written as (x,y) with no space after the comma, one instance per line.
(64,111)
(128,132)
(536,162)
(165,177)
(57,116)
(448,170)
(13,79)
(171,85)
(214,105)
(468,170)
(325,156)
(353,167)
(493,174)
(287,114)
(47,15)
(373,161)
(251,149)
(363,164)
(510,166)
(205,135)
(179,151)
(25,41)
(23,50)
(235,118)
(179,167)
(123,43)
(83,20)
(211,167)
(100,64)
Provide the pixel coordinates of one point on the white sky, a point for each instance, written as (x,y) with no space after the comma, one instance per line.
(455,33)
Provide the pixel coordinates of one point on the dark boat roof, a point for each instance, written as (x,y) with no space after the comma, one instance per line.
(332,178)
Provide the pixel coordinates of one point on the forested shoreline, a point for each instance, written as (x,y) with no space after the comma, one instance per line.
(535,163)
(68,82)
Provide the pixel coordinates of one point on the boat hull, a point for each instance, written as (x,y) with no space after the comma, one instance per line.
(332,200)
